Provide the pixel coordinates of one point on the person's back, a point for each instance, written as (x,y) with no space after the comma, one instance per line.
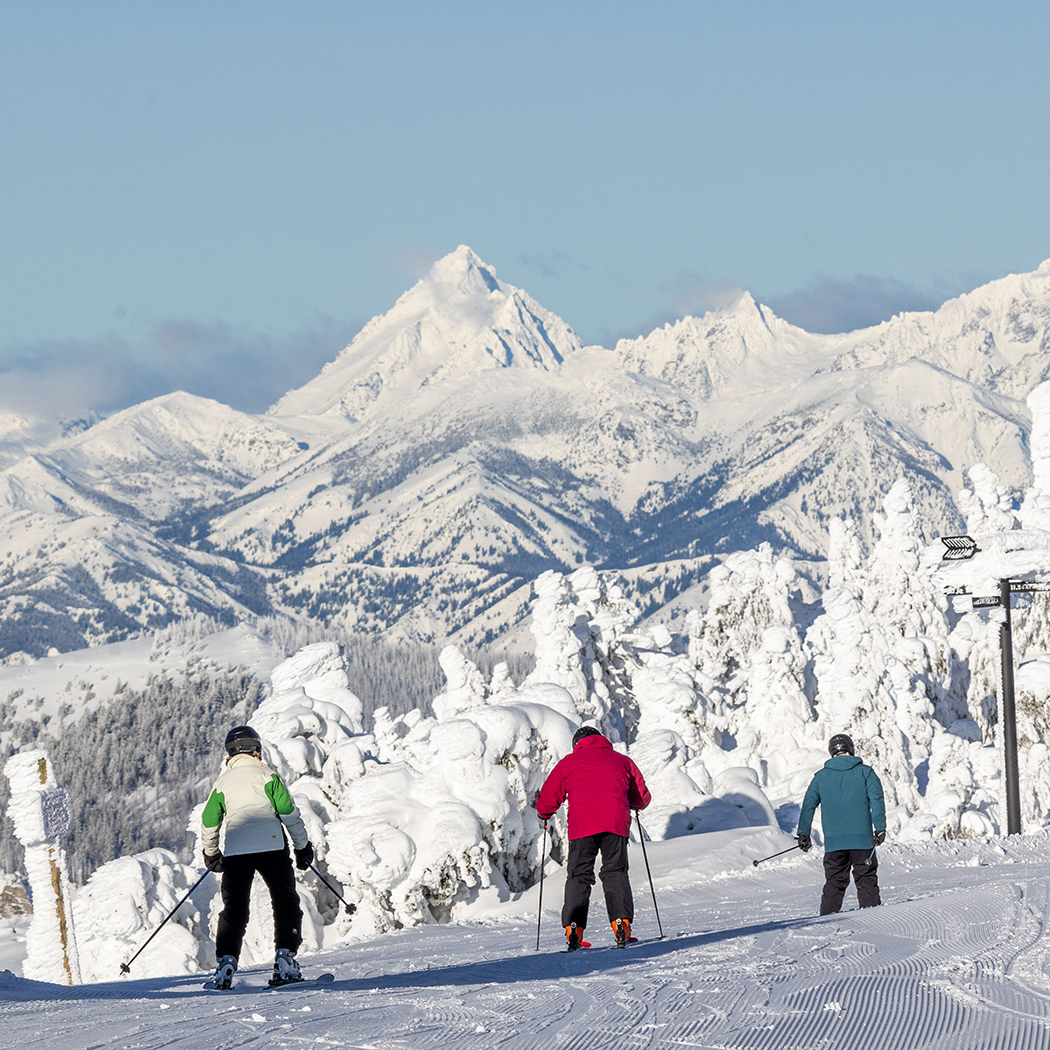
(255,806)
(845,789)
(602,787)
(247,797)
(853,816)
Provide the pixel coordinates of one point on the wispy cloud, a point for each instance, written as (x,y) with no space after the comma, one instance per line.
(552,265)
(828,305)
(247,370)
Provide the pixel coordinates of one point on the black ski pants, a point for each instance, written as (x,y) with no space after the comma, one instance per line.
(579,878)
(238,872)
(837,866)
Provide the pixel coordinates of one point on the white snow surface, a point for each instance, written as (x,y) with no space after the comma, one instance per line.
(956,958)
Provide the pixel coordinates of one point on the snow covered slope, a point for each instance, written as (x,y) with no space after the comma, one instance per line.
(955,959)
(465,442)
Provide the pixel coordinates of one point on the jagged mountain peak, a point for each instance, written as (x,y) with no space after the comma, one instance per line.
(456,322)
(464,271)
(710,356)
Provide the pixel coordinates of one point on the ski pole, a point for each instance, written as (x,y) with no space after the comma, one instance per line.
(350,908)
(780,854)
(539,908)
(126,967)
(641,839)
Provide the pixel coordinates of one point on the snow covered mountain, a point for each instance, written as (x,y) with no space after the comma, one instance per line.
(466,441)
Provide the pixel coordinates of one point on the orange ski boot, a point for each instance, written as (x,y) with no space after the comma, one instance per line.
(574,936)
(622,931)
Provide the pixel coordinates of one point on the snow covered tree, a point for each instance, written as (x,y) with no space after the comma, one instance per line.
(901,595)
(750,648)
(845,555)
(988,505)
(1035,510)
(579,622)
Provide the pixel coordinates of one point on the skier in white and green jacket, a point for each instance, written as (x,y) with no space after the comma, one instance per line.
(256,808)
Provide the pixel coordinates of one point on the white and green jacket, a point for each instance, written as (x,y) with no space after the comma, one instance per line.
(254,803)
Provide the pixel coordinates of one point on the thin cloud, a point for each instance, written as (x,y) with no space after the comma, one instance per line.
(552,265)
(246,370)
(828,305)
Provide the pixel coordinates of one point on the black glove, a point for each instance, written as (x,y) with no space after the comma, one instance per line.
(213,861)
(304,857)
(805,843)
(880,837)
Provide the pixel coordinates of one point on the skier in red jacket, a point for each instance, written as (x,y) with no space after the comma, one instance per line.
(603,787)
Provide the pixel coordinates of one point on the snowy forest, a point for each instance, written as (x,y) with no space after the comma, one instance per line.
(419,813)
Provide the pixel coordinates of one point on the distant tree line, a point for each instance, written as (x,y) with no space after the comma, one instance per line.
(135,767)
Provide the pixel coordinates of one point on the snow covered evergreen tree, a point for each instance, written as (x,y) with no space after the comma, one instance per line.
(579,623)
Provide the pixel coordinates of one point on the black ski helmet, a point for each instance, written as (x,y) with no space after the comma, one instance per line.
(243,740)
(584,731)
(840,744)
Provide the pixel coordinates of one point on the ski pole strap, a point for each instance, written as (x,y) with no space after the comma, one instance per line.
(350,908)
(126,967)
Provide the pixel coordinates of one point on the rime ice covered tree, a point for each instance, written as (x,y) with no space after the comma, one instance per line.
(580,623)
(857,691)
(749,647)
(1035,509)
(902,596)
(987,505)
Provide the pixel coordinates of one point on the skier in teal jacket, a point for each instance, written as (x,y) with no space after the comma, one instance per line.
(853,816)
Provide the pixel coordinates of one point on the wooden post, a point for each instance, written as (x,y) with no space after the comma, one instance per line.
(39,809)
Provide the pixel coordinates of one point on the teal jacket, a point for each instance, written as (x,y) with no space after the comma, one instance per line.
(849,794)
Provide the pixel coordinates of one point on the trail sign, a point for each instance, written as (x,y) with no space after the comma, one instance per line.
(958,548)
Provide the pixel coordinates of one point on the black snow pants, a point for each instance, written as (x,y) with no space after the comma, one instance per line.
(275,867)
(837,866)
(579,878)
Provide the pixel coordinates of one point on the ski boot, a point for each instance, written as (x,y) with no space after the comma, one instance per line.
(224,971)
(574,936)
(622,931)
(285,968)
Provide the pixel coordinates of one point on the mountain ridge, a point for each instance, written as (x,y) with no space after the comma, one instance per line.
(467,440)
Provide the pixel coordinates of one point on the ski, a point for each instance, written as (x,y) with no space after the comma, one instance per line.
(309,982)
(588,947)
(306,982)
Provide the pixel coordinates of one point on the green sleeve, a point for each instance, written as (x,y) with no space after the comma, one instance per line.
(214,811)
(279,796)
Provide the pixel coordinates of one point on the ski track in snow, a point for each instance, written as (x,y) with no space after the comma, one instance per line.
(958,957)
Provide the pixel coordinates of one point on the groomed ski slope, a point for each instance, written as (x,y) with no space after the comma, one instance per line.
(958,957)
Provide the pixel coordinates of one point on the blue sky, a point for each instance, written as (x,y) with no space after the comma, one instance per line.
(214,196)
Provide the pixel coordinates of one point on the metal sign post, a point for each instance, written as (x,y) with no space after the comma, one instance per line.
(1013,783)
(963,548)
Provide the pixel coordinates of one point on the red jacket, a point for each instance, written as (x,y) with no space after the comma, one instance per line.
(602,786)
